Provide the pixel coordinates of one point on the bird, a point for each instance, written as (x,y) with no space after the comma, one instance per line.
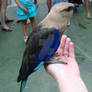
(44,40)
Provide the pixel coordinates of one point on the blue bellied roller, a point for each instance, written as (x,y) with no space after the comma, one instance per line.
(44,40)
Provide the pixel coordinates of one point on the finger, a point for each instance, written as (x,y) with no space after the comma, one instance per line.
(66,48)
(62,43)
(61,46)
(71,50)
(63,40)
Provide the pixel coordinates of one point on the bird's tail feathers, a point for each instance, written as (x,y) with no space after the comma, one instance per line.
(23,84)
(23,71)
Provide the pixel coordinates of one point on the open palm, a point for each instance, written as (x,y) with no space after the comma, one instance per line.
(66,54)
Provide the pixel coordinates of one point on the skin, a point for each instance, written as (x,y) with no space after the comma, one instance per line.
(24,9)
(67,75)
(49,4)
(36,3)
(88,9)
(4,19)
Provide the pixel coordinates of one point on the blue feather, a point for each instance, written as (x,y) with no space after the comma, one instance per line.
(49,47)
(39,66)
(23,85)
(43,55)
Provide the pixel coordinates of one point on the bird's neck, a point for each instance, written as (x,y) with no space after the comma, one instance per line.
(54,21)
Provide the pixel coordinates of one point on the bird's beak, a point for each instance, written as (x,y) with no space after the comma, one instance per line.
(75,6)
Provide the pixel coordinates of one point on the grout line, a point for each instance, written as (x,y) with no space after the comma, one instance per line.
(84,53)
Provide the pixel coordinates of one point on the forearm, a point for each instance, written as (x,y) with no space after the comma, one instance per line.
(19,4)
(71,84)
(36,3)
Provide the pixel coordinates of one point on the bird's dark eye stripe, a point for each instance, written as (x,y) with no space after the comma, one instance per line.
(69,8)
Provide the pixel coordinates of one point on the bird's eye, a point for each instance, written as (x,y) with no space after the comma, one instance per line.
(69,8)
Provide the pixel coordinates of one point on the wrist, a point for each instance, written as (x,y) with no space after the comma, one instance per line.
(66,77)
(71,84)
(59,71)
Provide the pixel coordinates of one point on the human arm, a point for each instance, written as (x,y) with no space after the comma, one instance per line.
(19,4)
(67,75)
(49,4)
(36,3)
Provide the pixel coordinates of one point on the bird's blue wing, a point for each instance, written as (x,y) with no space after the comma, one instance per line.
(40,47)
(50,45)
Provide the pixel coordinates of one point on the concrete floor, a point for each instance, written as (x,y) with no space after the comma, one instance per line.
(12,47)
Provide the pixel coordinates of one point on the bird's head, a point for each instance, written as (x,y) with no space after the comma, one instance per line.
(63,9)
(60,15)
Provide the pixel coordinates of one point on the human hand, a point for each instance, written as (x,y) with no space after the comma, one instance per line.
(20,5)
(67,75)
(66,54)
(24,9)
